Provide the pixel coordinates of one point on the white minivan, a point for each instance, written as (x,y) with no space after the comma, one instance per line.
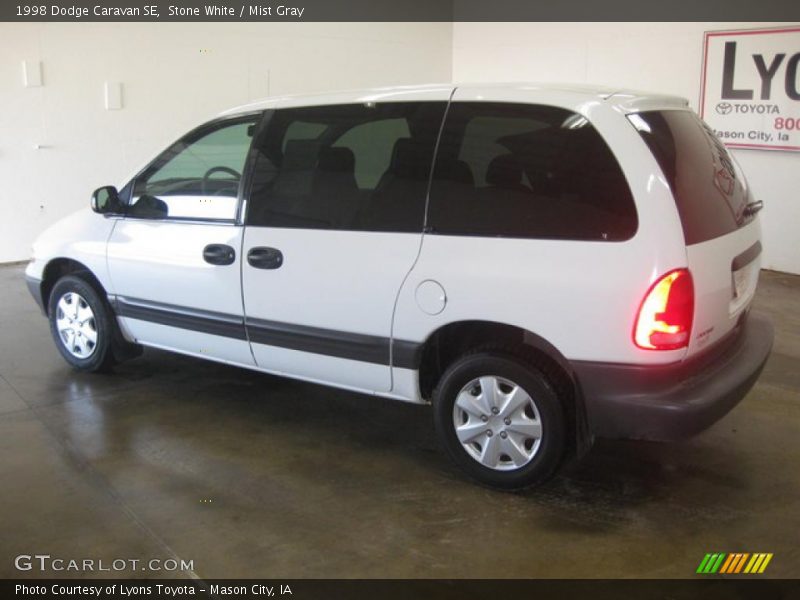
(542,264)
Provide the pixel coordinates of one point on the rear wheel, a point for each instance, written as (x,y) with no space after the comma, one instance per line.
(81,324)
(500,420)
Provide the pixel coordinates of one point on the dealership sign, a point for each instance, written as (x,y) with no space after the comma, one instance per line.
(750,90)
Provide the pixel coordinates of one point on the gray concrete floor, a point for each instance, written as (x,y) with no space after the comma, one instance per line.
(249,475)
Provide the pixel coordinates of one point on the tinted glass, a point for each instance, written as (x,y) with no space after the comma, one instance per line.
(709,192)
(197,177)
(356,167)
(519,170)
(372,144)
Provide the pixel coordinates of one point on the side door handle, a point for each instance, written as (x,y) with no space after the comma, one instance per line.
(262,257)
(219,254)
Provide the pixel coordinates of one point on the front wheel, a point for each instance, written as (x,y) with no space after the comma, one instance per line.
(81,325)
(500,420)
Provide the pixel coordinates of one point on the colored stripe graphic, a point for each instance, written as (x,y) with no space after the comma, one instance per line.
(740,564)
(734,563)
(727,564)
(711,563)
(754,563)
(703,563)
(764,564)
(716,565)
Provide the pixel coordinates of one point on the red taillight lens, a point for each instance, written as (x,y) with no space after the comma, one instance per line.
(665,316)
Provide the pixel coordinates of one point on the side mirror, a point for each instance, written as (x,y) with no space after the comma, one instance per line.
(106,200)
(148,207)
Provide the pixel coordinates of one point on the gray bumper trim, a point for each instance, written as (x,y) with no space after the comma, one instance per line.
(35,288)
(675,401)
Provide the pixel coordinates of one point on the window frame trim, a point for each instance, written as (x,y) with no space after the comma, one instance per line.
(264,125)
(430,229)
(256,118)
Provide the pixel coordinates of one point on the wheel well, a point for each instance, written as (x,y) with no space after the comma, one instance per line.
(58,268)
(455,339)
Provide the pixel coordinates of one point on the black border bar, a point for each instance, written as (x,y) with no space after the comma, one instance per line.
(705,587)
(406,10)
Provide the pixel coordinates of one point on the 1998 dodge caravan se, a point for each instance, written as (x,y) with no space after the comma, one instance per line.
(542,264)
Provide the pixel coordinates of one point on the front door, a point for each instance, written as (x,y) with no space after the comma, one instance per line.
(175,259)
(334,225)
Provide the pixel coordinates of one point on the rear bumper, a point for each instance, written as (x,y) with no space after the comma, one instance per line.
(674,401)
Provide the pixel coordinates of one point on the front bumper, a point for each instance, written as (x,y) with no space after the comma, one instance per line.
(674,401)
(35,288)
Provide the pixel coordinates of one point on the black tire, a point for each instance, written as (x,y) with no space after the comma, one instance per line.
(505,365)
(101,357)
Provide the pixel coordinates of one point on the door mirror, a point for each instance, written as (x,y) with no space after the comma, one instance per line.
(148,207)
(105,200)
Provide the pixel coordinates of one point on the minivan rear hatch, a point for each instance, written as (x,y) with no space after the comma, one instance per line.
(717,213)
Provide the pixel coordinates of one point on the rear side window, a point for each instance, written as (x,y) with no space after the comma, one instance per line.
(372,145)
(527,171)
(709,192)
(351,167)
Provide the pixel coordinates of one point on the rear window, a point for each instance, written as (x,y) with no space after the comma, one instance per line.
(527,171)
(709,191)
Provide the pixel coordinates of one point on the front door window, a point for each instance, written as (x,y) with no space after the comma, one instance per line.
(198,177)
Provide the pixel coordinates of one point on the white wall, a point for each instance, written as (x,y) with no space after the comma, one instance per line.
(174,75)
(660,57)
(177,74)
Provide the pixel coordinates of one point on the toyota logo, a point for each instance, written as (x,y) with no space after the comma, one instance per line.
(724,108)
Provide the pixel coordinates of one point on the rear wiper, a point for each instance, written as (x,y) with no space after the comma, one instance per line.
(753,207)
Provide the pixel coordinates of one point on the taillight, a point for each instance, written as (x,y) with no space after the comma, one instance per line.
(665,317)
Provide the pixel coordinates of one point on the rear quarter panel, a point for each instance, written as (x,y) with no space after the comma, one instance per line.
(582,297)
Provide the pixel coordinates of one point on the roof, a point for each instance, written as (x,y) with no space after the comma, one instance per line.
(629,100)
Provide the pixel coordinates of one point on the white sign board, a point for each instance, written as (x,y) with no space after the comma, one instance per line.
(750,89)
